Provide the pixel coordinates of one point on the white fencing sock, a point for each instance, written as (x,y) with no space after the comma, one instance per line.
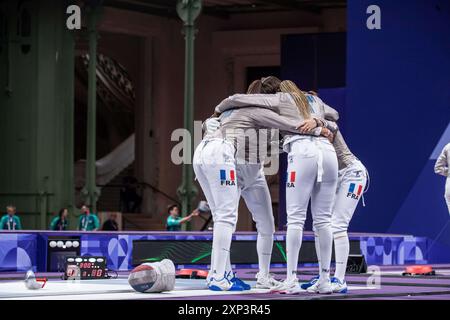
(210,272)
(228,268)
(342,250)
(221,248)
(264,245)
(325,249)
(316,244)
(294,237)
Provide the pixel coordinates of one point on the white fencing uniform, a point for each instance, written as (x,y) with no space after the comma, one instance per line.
(442,167)
(312,165)
(215,169)
(218,172)
(255,192)
(352,179)
(311,174)
(351,184)
(283,104)
(253,188)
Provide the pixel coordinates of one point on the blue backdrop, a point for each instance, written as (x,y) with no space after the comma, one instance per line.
(395,112)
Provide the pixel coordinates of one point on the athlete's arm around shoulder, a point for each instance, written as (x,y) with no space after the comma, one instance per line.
(269,101)
(269,119)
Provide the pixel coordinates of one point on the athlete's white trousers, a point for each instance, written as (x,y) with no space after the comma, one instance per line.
(253,187)
(352,181)
(447,193)
(215,169)
(312,174)
(351,184)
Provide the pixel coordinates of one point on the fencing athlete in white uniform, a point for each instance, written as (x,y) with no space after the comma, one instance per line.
(312,173)
(253,188)
(255,192)
(352,180)
(216,170)
(442,167)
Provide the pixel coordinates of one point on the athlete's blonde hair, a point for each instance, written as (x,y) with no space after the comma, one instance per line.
(299,97)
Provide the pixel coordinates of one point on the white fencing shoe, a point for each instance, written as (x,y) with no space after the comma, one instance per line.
(266,281)
(223,285)
(321,286)
(306,285)
(287,286)
(338,286)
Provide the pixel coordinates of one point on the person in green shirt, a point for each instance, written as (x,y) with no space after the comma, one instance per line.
(60,222)
(88,221)
(174,221)
(10,221)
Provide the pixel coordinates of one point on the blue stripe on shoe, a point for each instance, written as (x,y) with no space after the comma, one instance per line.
(336,280)
(345,290)
(239,282)
(311,282)
(215,288)
(234,286)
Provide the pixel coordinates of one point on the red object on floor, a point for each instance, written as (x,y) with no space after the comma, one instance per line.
(192,274)
(43,280)
(419,270)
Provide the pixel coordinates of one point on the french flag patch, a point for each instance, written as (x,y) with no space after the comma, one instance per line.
(291,176)
(354,190)
(227,177)
(290,179)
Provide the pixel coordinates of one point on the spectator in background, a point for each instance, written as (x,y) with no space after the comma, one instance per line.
(111,223)
(59,223)
(88,220)
(10,221)
(174,221)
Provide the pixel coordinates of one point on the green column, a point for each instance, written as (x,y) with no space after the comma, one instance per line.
(90,191)
(36,109)
(67,71)
(188,11)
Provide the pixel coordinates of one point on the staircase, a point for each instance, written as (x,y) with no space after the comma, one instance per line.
(110,201)
(117,96)
(110,194)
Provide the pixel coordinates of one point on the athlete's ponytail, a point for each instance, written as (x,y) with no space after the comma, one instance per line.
(299,97)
